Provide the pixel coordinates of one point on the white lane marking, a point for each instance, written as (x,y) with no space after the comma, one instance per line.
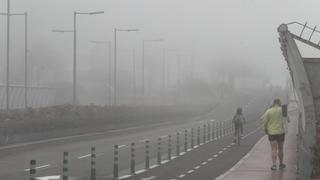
(181,175)
(212,120)
(154,166)
(190,171)
(197,167)
(204,163)
(216,155)
(148,178)
(224,149)
(143,140)
(125,176)
(165,161)
(84,156)
(140,171)
(210,159)
(48,177)
(164,136)
(220,152)
(39,167)
(122,146)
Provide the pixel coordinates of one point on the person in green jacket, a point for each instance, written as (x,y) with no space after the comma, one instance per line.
(274,128)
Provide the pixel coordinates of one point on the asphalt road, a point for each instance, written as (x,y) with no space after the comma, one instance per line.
(14,160)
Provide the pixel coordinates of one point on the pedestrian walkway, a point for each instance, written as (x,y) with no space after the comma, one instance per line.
(256,164)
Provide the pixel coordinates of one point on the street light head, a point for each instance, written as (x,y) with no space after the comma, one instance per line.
(97,12)
(133,30)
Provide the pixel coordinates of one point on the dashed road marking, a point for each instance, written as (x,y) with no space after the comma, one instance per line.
(39,167)
(181,175)
(204,163)
(122,146)
(197,167)
(210,159)
(49,177)
(84,156)
(216,155)
(190,171)
(220,152)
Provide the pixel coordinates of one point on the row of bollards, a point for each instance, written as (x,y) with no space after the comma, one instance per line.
(65,169)
(210,132)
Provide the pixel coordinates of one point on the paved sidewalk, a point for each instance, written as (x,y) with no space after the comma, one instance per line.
(256,164)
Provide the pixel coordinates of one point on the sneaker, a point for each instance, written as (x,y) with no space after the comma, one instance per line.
(273,167)
(282,166)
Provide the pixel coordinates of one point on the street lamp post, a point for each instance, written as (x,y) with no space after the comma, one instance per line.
(109,67)
(8,55)
(75,13)
(115,62)
(143,64)
(8,14)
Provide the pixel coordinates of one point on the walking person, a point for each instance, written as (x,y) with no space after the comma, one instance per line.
(274,128)
(238,121)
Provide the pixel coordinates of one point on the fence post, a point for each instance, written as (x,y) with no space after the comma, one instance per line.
(115,162)
(159,151)
(132,161)
(223,128)
(185,140)
(213,131)
(93,163)
(204,134)
(147,154)
(178,144)
(208,136)
(192,141)
(169,147)
(65,166)
(220,129)
(32,170)
(198,136)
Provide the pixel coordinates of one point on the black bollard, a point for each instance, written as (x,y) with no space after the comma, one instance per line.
(178,145)
(116,162)
(32,170)
(65,166)
(185,140)
(192,141)
(132,161)
(147,155)
(169,147)
(93,163)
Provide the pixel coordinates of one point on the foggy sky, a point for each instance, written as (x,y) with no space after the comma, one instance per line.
(232,31)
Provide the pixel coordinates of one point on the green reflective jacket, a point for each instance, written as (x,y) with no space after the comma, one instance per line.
(273,122)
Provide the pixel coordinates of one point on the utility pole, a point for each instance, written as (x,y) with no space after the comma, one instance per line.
(26,60)
(8,56)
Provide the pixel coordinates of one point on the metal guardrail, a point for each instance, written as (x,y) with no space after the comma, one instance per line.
(305,26)
(38,96)
(298,72)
